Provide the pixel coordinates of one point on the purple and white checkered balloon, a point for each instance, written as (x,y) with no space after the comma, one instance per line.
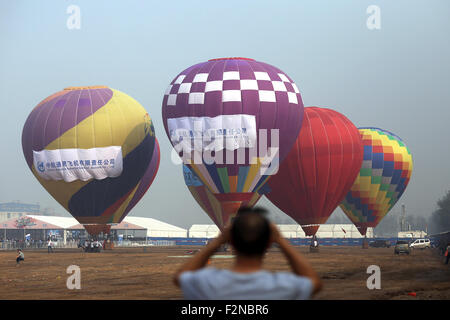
(232,86)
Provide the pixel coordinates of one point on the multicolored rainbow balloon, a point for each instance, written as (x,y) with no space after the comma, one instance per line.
(382,180)
(208,202)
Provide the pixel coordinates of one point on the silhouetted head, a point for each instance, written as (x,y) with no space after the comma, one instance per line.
(250,231)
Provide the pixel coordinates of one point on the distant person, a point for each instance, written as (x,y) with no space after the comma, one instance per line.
(447,253)
(49,246)
(314,242)
(97,246)
(20,257)
(250,234)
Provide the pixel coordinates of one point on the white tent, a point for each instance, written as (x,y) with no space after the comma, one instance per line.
(203,231)
(62,222)
(291,231)
(341,231)
(325,231)
(156,228)
(288,231)
(412,234)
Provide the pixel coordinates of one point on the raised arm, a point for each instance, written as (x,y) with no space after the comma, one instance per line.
(200,259)
(297,261)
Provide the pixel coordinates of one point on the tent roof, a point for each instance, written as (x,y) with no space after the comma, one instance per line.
(289,227)
(55,222)
(203,228)
(152,224)
(121,226)
(62,222)
(40,222)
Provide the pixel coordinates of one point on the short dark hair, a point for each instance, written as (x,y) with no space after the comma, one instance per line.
(250,231)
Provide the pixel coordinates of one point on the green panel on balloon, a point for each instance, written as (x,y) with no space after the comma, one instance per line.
(223,174)
(376,180)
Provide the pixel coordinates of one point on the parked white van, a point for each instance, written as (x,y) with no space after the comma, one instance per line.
(421,244)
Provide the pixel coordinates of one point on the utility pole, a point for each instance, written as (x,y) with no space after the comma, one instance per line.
(402,218)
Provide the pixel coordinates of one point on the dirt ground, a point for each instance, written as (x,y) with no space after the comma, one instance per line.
(138,273)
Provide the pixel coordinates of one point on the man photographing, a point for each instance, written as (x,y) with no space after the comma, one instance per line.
(250,234)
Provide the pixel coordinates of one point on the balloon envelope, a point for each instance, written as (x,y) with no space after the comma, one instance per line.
(383,178)
(214,110)
(207,200)
(319,170)
(94,150)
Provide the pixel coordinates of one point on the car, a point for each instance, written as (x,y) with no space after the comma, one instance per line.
(402,246)
(380,244)
(421,244)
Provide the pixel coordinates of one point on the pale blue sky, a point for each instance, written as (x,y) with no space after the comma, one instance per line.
(396,78)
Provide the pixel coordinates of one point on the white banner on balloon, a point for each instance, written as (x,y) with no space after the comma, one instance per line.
(79,164)
(228,132)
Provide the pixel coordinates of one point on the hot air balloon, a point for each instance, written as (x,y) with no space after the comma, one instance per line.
(319,170)
(384,175)
(94,150)
(213,112)
(208,202)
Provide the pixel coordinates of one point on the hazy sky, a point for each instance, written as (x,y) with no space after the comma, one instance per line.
(396,78)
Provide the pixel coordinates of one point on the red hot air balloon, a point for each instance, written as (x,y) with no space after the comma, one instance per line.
(319,170)
(230,100)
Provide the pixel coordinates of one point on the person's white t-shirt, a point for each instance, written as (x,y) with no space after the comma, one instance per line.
(216,284)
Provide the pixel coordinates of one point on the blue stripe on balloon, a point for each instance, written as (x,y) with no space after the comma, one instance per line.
(388,169)
(396,177)
(365,210)
(377,161)
(367,153)
(190,178)
(261,181)
(242,176)
(358,203)
(401,185)
(212,170)
(264,189)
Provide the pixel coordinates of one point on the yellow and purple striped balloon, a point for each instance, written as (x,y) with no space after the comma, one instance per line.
(94,150)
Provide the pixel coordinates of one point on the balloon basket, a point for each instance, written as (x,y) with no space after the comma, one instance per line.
(94,230)
(365,244)
(108,245)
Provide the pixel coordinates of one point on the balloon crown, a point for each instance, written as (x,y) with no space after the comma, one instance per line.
(85,87)
(232,58)
(382,130)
